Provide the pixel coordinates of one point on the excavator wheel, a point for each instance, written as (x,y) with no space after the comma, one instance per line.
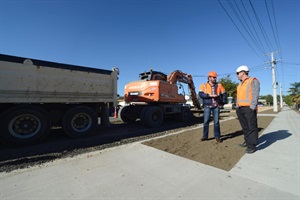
(186,114)
(143,115)
(126,114)
(153,116)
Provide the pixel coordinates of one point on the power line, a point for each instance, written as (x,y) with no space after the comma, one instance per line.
(261,27)
(275,22)
(275,38)
(252,69)
(246,27)
(238,28)
(256,40)
(259,43)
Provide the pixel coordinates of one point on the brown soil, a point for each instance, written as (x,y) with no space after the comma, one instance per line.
(220,155)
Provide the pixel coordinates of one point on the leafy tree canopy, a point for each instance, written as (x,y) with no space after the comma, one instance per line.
(294,89)
(294,94)
(229,85)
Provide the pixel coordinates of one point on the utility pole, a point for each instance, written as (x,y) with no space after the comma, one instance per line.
(274,83)
(281,100)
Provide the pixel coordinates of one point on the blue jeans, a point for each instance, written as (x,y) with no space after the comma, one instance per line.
(216,114)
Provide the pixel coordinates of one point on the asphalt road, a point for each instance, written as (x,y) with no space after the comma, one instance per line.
(57,145)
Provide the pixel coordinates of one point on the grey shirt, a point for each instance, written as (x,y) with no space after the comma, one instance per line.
(255,93)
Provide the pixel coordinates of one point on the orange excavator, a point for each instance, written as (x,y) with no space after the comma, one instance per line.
(156,96)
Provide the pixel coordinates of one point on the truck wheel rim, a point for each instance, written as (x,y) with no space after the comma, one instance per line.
(24,126)
(81,122)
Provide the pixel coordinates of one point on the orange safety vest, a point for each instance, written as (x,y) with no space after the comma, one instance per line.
(207,89)
(244,92)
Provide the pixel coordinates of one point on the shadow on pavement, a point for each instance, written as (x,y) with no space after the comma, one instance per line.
(268,139)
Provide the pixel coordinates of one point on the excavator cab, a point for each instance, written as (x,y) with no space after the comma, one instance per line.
(153,75)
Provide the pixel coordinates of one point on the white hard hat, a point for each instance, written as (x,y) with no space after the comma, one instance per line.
(242,68)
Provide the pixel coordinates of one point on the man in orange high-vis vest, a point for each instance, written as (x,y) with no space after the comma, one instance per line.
(214,96)
(246,110)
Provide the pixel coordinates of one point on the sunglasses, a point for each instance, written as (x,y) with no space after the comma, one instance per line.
(212,77)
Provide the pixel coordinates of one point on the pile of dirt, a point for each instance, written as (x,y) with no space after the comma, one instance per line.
(220,155)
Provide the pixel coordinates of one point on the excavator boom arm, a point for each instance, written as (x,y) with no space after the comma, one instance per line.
(177,76)
(187,79)
(193,92)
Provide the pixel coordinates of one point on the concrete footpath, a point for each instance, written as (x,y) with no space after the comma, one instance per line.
(136,171)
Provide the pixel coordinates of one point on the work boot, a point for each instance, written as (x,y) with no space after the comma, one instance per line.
(203,139)
(243,145)
(219,140)
(250,150)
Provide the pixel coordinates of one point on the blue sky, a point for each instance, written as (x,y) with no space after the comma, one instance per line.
(194,36)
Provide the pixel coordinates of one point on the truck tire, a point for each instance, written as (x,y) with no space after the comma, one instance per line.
(24,125)
(154,117)
(127,114)
(79,121)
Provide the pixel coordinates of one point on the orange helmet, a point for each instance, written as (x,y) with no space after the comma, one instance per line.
(212,73)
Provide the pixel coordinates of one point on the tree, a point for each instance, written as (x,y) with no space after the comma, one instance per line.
(269,98)
(294,95)
(229,85)
(288,100)
(295,89)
